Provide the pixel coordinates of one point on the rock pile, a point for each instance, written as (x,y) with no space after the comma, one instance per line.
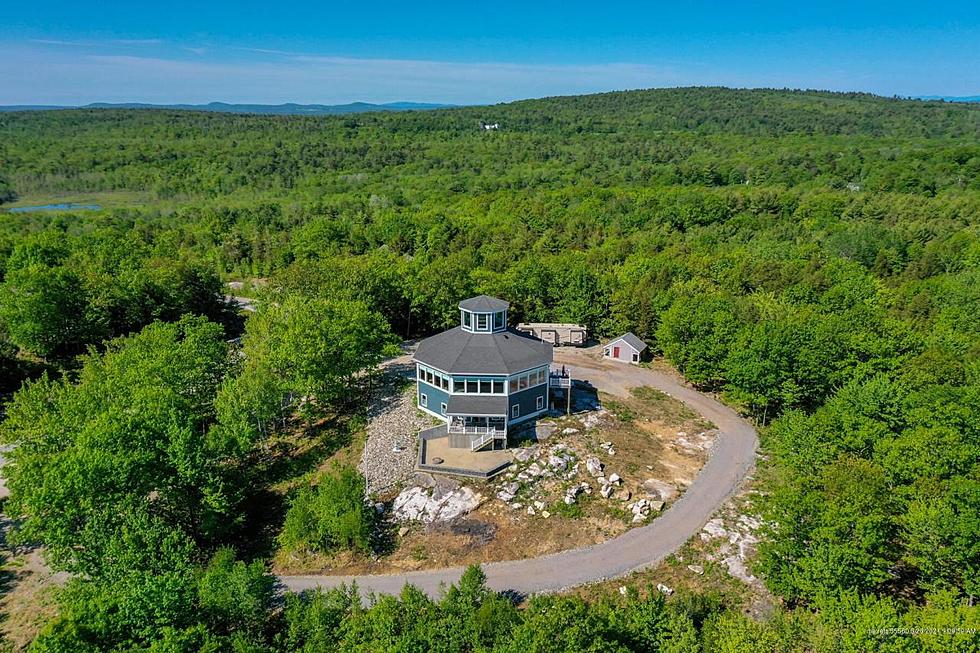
(593,419)
(738,547)
(534,467)
(537,469)
(607,486)
(391,445)
(640,509)
(508,491)
(571,494)
(421,504)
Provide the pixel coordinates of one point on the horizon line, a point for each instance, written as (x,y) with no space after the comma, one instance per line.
(938,97)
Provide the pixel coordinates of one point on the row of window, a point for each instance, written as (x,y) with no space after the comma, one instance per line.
(482,386)
(529,380)
(432,377)
(481,321)
(478,386)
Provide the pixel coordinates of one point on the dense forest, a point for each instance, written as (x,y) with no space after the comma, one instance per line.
(812,257)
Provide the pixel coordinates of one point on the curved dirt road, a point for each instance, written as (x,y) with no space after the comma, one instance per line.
(731,458)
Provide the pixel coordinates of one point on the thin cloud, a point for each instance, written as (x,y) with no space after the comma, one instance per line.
(98,43)
(58,42)
(285,53)
(138,41)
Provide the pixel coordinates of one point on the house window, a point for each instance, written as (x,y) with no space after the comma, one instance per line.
(445,383)
(424,400)
(459,385)
(605,352)
(513,385)
(540,402)
(482,322)
(442,408)
(541,376)
(467,319)
(522,385)
(421,374)
(515,411)
(428,377)
(498,320)
(498,387)
(472,386)
(485,387)
(636,358)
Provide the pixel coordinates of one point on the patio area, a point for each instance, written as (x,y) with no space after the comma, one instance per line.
(460,461)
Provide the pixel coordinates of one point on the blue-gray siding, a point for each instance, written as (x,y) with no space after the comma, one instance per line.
(527,400)
(436,397)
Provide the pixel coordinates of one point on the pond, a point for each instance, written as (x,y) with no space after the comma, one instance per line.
(56,207)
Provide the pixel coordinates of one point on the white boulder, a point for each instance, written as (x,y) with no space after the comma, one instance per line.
(557,462)
(713,529)
(593,465)
(416,504)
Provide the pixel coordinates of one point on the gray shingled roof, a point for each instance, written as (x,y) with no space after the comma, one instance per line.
(483,304)
(630,339)
(460,352)
(476,405)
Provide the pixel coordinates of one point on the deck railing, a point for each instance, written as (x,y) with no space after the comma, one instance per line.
(492,431)
(559,380)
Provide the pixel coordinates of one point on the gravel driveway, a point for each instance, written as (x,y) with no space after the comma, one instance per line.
(731,458)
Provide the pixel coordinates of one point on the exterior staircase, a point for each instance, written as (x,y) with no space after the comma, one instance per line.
(483,440)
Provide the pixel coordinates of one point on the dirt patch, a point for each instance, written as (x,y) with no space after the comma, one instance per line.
(478,531)
(651,438)
(28,598)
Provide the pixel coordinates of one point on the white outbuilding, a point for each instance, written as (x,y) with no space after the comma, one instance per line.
(627,348)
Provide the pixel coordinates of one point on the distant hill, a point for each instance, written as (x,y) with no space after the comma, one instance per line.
(289,109)
(950,98)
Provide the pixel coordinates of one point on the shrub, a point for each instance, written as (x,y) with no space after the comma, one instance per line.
(235,596)
(331,515)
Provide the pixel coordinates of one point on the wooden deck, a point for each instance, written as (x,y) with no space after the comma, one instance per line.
(459,461)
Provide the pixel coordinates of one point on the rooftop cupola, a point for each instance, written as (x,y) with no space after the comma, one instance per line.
(483,314)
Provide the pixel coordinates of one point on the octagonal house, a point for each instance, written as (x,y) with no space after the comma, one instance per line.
(481,377)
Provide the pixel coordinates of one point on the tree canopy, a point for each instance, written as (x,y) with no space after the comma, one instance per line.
(812,257)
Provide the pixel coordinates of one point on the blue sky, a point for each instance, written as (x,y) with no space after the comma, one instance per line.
(469,52)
